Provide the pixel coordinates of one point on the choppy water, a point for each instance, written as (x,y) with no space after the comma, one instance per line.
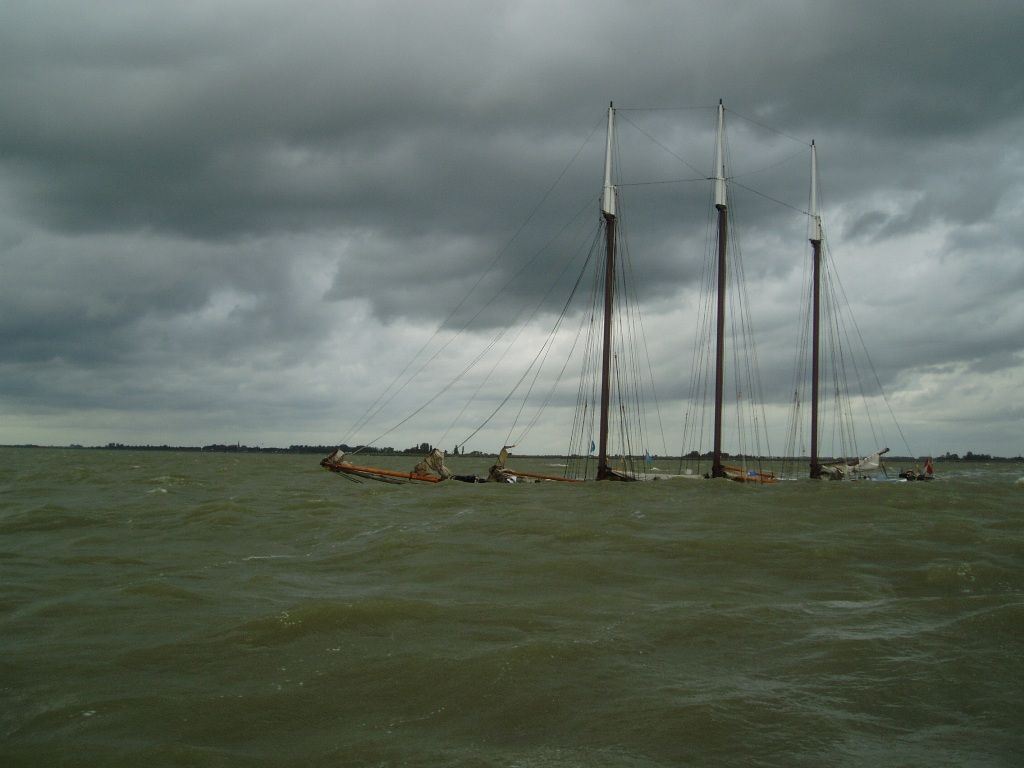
(253,610)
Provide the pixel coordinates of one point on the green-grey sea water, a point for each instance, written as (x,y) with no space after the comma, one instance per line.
(186,609)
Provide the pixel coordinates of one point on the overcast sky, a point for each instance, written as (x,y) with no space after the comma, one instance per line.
(238,220)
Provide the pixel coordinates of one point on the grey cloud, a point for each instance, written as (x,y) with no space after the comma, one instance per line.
(202,195)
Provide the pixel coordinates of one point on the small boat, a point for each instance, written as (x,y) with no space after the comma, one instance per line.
(855,469)
(927,473)
(432,469)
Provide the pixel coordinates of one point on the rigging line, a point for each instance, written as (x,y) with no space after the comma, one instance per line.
(577,462)
(769,197)
(529,217)
(871,364)
(848,314)
(839,355)
(497,259)
(445,388)
(469,322)
(550,341)
(800,359)
(519,332)
(586,391)
(485,306)
(632,301)
(800,366)
(545,348)
(692,108)
(848,431)
(582,435)
(647,355)
(621,401)
(537,365)
(753,374)
(442,390)
(768,127)
(735,333)
(549,345)
(579,415)
(509,347)
(654,183)
(877,435)
(480,355)
(629,379)
(731,336)
(700,376)
(628,324)
(801,154)
(568,357)
(698,395)
(590,378)
(551,391)
(736,337)
(677,157)
(745,371)
(476,392)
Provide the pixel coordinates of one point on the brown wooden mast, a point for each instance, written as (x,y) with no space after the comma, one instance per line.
(723,232)
(815,312)
(604,472)
(716,465)
(815,353)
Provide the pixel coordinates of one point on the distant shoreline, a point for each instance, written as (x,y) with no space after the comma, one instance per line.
(327,449)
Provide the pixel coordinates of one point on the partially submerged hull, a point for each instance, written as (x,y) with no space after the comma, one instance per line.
(738,475)
(376,473)
(434,471)
(852,470)
(336,462)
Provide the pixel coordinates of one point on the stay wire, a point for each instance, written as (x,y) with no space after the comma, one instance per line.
(380,403)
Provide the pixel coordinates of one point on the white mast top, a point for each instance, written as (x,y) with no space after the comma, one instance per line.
(719,162)
(815,218)
(608,198)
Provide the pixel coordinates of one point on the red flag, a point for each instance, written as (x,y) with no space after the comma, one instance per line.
(928,470)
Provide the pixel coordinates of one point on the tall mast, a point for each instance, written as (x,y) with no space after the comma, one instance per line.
(723,231)
(608,211)
(815,310)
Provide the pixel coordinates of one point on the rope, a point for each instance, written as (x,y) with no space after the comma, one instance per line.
(384,399)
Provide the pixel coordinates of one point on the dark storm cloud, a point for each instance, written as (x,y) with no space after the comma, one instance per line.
(199,194)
